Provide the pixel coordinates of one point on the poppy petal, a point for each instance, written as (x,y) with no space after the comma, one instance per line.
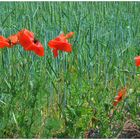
(55,53)
(30,47)
(63,46)
(61,37)
(120,96)
(25,38)
(61,43)
(13,39)
(38,49)
(115,103)
(69,35)
(137,61)
(4,42)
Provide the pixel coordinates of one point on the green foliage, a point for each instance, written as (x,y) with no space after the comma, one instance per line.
(66,97)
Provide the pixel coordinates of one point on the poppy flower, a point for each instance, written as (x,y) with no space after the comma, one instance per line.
(13,39)
(119,97)
(137,61)
(29,43)
(4,42)
(61,43)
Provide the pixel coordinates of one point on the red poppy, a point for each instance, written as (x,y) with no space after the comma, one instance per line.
(61,43)
(13,39)
(4,42)
(137,61)
(120,96)
(29,43)
(25,38)
(37,48)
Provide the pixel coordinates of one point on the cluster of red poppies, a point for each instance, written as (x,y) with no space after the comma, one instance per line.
(28,41)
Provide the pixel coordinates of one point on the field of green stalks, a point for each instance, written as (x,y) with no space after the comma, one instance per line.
(68,96)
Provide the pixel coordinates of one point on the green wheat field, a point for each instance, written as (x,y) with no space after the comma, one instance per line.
(68,96)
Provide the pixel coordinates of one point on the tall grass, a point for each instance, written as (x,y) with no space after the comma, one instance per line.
(65,97)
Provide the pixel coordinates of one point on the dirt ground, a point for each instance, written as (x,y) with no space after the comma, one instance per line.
(130,130)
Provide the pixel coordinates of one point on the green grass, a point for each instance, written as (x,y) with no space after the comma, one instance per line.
(44,97)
